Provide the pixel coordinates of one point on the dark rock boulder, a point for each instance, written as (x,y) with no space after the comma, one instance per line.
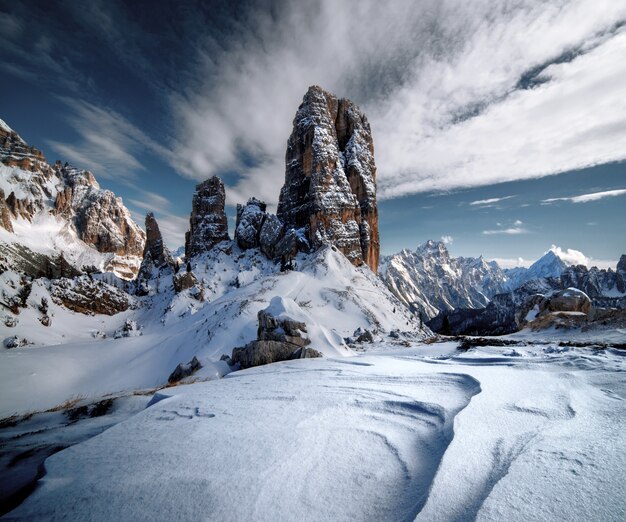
(207,224)
(184,370)
(278,339)
(329,193)
(184,281)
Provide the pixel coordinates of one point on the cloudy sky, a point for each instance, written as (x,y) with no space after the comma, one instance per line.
(499,125)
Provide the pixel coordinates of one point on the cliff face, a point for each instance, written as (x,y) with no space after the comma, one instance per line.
(36,189)
(329,195)
(207,224)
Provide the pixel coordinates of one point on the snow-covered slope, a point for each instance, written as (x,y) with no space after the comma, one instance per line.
(426,433)
(79,354)
(429,280)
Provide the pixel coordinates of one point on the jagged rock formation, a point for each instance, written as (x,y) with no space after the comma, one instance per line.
(329,195)
(207,224)
(87,296)
(278,339)
(184,370)
(92,215)
(5,217)
(429,280)
(250,219)
(183,281)
(597,283)
(155,254)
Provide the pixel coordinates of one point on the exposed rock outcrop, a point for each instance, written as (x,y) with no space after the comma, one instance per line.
(184,281)
(87,296)
(207,224)
(329,195)
(184,370)
(250,219)
(5,218)
(278,339)
(155,254)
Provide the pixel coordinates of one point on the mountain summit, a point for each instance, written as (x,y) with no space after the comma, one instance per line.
(330,179)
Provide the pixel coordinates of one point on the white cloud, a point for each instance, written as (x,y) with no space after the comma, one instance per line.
(508,262)
(570,256)
(489,202)
(447,240)
(516,228)
(445,85)
(585,198)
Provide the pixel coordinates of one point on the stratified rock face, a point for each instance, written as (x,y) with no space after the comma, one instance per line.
(100,218)
(155,254)
(330,179)
(207,224)
(5,217)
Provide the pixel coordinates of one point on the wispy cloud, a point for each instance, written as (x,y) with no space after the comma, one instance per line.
(108,143)
(491,201)
(447,240)
(586,198)
(516,228)
(512,262)
(454,97)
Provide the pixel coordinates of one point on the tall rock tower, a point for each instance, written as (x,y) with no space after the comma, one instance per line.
(330,179)
(207,224)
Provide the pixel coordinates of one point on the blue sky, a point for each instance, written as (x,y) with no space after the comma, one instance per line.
(515,102)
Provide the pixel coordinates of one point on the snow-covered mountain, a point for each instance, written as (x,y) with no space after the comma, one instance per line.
(548,265)
(53,210)
(429,280)
(210,304)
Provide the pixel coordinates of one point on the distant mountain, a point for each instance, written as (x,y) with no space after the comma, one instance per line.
(549,265)
(506,313)
(429,280)
(52,211)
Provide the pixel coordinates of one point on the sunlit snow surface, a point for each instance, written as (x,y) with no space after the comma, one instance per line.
(426,433)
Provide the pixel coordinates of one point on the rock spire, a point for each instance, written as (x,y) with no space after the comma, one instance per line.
(329,195)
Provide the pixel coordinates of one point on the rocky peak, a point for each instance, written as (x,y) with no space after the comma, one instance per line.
(15,152)
(329,195)
(36,188)
(207,224)
(155,253)
(433,249)
(621,264)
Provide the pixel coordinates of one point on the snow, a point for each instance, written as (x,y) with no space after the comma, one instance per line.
(79,354)
(424,433)
(5,127)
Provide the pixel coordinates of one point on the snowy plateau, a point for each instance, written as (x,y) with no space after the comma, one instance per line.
(284,374)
